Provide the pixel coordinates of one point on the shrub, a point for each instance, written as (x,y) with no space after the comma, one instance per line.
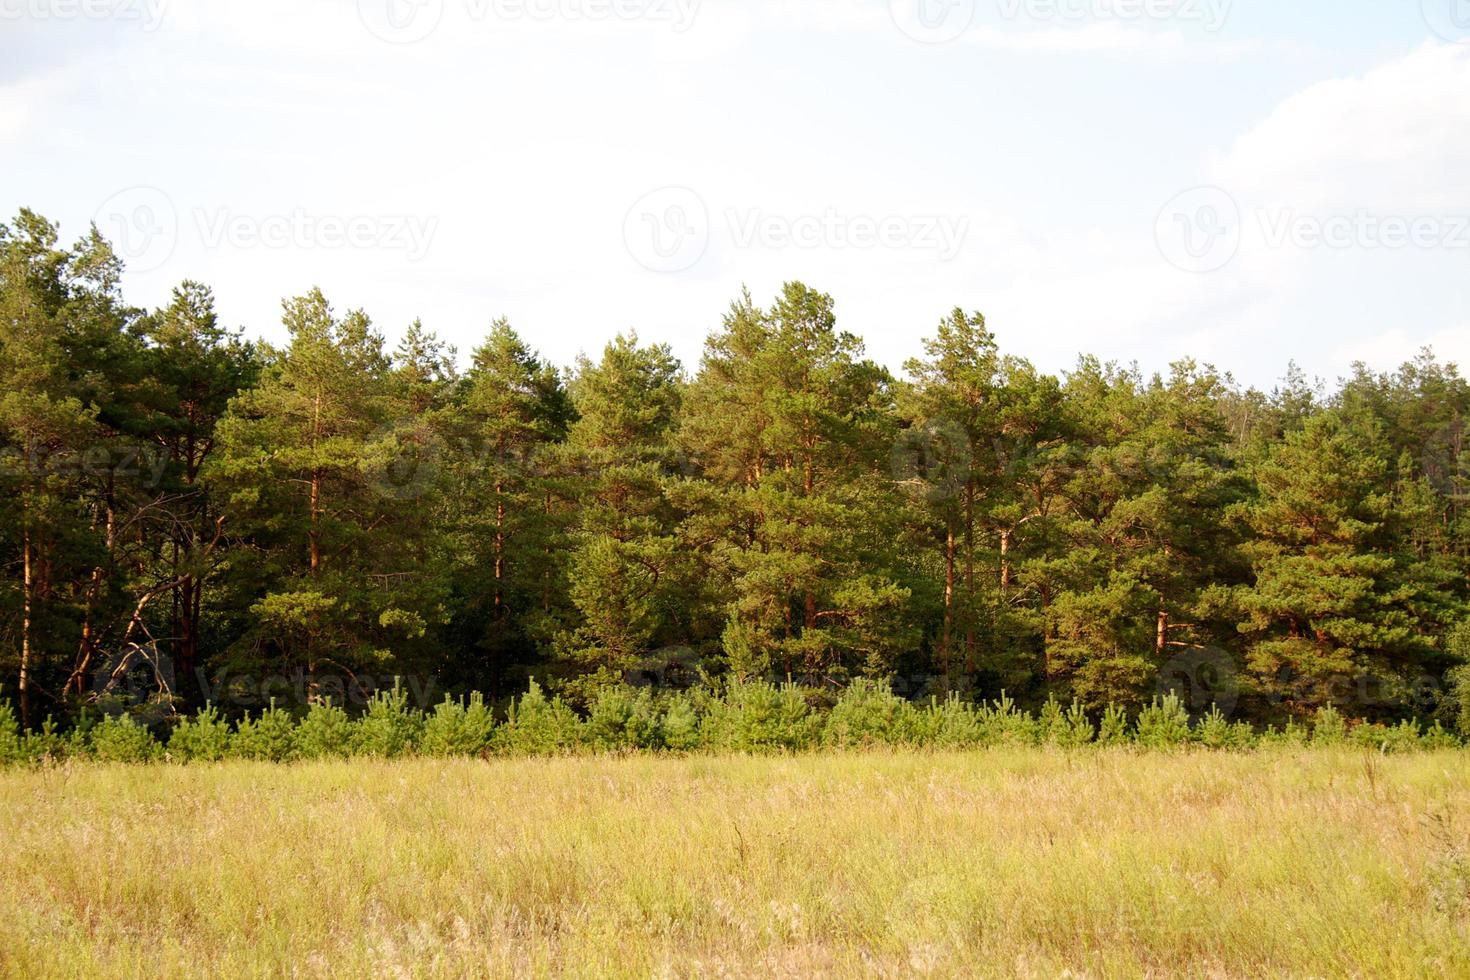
(1067,727)
(755,716)
(1457,704)
(869,713)
(455,728)
(270,737)
(678,725)
(10,743)
(326,731)
(537,726)
(1163,724)
(1292,736)
(1114,727)
(390,727)
(1002,723)
(952,724)
(49,743)
(1242,735)
(1329,727)
(1215,731)
(1369,736)
(1438,738)
(120,739)
(1403,737)
(203,738)
(622,719)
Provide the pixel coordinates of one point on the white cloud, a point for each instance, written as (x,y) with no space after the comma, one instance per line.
(1394,347)
(528,140)
(1109,38)
(1379,143)
(21,101)
(1397,137)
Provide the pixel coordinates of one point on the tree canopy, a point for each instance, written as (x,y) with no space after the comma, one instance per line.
(187,511)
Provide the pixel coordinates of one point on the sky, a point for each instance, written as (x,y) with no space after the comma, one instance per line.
(1244,182)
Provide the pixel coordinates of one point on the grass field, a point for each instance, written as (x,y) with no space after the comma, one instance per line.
(1026,862)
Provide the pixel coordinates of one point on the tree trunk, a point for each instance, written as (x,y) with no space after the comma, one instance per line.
(25,627)
(188,633)
(970,573)
(499,540)
(949,573)
(546,568)
(1045,593)
(314,533)
(88,647)
(1005,562)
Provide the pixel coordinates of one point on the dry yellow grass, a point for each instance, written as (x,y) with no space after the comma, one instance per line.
(1027,862)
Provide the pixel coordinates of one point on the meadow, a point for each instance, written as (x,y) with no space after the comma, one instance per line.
(1016,861)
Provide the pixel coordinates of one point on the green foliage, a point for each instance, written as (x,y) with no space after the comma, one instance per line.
(1069,727)
(1458,700)
(457,728)
(1403,737)
(10,741)
(622,719)
(118,738)
(786,507)
(326,731)
(537,726)
(1292,735)
(1113,729)
(1329,727)
(952,724)
(47,744)
(1215,731)
(390,727)
(869,713)
(270,736)
(1438,738)
(756,716)
(1002,723)
(679,728)
(1164,723)
(203,738)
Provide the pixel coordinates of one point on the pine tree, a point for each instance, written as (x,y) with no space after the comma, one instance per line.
(620,539)
(46,430)
(512,410)
(1331,609)
(807,513)
(321,463)
(950,448)
(196,366)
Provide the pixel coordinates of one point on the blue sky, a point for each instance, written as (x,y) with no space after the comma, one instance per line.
(1246,182)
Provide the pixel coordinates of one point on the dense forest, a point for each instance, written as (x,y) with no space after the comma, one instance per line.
(189,515)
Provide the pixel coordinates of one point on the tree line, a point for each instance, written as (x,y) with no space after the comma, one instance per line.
(744,717)
(190,515)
